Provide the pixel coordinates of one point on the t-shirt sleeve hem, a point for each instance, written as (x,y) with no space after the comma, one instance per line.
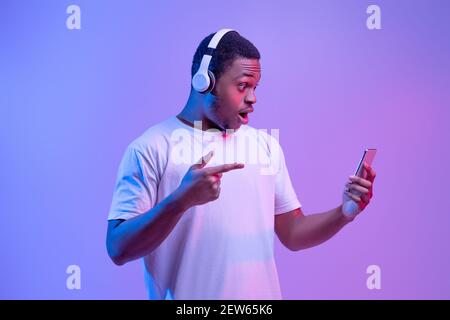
(121,215)
(289,206)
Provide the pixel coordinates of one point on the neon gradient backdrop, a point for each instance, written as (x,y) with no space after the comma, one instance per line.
(71,100)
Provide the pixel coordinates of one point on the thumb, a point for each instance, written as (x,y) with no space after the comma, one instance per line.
(203,161)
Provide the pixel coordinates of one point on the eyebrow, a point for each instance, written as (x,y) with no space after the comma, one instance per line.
(245,74)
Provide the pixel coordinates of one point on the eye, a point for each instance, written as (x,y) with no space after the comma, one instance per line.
(242,86)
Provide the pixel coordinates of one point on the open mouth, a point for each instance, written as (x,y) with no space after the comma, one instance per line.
(244,116)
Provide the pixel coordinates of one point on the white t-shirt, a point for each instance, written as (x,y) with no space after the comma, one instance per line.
(222,249)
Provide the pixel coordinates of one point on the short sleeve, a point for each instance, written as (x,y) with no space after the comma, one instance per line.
(135,190)
(285,197)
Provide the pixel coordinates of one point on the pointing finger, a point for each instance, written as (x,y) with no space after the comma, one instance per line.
(224,168)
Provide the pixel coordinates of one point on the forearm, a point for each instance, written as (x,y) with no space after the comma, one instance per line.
(140,235)
(312,230)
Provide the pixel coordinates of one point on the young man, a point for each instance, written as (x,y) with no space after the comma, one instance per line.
(205,229)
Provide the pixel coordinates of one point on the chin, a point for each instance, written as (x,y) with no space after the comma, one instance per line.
(235,126)
(232,124)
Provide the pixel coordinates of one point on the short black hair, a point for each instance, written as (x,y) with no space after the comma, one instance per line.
(230,47)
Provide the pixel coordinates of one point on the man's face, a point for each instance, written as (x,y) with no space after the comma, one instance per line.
(235,94)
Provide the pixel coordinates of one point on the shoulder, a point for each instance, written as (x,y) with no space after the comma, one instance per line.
(154,139)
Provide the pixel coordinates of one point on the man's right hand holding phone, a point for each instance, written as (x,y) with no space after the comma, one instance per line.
(358,192)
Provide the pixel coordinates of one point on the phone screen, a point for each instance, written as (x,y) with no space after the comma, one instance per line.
(368,156)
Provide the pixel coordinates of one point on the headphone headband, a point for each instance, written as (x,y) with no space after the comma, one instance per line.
(215,40)
(203,81)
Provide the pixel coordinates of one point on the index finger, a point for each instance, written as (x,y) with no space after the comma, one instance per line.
(224,168)
(363,182)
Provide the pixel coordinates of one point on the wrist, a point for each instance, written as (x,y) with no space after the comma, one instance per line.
(181,200)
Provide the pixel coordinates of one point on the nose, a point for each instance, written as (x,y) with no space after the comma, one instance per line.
(250,98)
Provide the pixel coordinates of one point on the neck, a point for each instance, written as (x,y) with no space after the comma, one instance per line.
(193,111)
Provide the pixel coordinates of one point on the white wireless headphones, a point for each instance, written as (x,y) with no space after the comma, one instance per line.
(204,80)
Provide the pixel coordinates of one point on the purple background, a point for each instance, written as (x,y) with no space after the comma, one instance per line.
(71,101)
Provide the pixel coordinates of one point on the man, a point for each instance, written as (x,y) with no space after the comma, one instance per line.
(205,229)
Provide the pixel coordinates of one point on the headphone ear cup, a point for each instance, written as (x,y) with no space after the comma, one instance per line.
(201,82)
(212,82)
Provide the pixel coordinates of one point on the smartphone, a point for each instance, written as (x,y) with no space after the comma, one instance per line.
(367,157)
